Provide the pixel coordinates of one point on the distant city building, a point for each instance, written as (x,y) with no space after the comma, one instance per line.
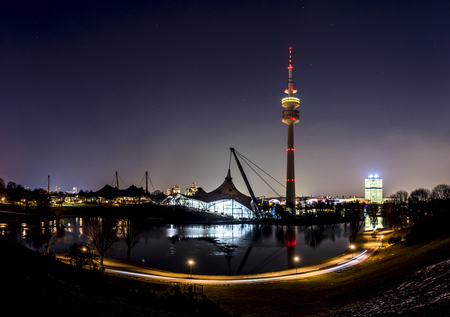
(74,190)
(173,191)
(191,190)
(374,189)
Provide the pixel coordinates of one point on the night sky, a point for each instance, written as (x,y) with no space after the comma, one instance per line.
(91,88)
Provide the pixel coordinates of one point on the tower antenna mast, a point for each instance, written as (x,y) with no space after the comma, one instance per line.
(290,117)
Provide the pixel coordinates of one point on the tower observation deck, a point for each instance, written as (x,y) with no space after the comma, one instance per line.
(290,117)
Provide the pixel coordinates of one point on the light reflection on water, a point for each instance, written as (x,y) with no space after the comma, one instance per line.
(220,249)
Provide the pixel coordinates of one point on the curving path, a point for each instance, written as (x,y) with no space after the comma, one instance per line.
(332,265)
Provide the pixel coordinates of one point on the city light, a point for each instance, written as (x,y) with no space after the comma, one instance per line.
(190,268)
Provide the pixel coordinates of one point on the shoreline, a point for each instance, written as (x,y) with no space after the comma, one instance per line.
(366,246)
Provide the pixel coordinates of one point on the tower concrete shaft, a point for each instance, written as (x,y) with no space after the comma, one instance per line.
(290,117)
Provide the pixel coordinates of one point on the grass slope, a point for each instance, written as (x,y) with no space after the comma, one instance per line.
(336,293)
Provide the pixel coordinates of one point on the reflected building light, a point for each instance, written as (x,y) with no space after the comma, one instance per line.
(172,231)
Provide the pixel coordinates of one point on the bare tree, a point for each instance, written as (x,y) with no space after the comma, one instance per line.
(47,230)
(2,188)
(355,216)
(372,211)
(441,191)
(51,232)
(102,234)
(129,233)
(419,195)
(400,196)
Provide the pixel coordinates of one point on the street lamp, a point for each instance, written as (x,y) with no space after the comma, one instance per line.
(296,259)
(352,246)
(190,266)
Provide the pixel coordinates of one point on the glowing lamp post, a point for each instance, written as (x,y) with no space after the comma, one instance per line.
(190,266)
(352,246)
(296,259)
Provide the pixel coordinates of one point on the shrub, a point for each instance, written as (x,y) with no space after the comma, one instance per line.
(394,240)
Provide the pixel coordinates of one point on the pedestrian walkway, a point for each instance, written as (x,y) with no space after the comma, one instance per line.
(335,264)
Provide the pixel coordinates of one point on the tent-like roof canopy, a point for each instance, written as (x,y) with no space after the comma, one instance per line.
(132,191)
(86,194)
(225,191)
(107,192)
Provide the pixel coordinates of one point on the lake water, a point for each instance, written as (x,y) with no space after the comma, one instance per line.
(218,249)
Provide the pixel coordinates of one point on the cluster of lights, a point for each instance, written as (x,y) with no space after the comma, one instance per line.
(290,180)
(292,149)
(290,99)
(372,176)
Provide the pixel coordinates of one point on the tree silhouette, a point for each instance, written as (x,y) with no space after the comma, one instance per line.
(129,232)
(419,195)
(102,234)
(355,215)
(441,191)
(400,196)
(51,232)
(81,255)
(2,186)
(47,230)
(372,211)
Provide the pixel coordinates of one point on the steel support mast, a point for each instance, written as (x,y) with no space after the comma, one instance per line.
(258,210)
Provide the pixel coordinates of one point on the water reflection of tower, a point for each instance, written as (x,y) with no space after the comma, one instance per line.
(291,242)
(290,117)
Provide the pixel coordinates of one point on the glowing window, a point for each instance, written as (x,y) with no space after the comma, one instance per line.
(290,99)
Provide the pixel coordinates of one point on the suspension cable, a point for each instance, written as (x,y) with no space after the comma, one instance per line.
(244,159)
(142,180)
(240,154)
(151,183)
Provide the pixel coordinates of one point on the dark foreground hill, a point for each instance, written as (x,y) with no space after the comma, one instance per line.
(407,280)
(37,285)
(425,293)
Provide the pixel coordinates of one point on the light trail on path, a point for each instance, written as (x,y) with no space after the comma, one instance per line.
(252,279)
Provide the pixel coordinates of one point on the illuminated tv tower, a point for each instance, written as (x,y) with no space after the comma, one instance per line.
(290,117)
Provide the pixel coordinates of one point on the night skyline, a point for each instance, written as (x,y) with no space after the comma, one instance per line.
(90,89)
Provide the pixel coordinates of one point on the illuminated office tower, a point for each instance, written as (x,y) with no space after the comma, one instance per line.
(290,117)
(374,189)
